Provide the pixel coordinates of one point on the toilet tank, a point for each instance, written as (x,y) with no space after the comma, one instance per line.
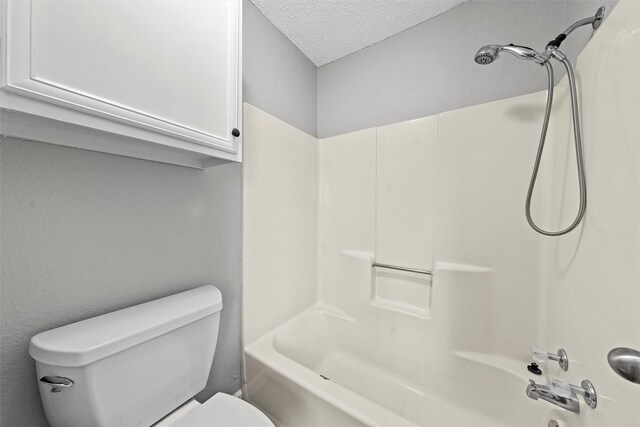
(130,367)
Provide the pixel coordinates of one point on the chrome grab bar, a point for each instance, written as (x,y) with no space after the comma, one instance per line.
(395,267)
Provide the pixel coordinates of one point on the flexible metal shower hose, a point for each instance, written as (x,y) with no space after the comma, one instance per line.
(578,146)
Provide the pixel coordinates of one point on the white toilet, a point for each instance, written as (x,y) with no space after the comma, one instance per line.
(139,366)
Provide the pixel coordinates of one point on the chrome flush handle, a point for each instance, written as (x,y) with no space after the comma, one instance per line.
(57,384)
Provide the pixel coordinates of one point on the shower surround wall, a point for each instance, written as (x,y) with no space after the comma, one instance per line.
(280,174)
(378,194)
(400,349)
(591,278)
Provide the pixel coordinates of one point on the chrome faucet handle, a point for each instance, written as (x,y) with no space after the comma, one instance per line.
(57,384)
(588,393)
(565,389)
(561,357)
(560,387)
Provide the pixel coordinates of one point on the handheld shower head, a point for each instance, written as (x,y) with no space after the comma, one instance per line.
(489,53)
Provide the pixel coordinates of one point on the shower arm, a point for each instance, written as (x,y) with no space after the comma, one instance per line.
(595,22)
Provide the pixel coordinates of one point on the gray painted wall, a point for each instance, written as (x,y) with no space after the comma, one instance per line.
(84,233)
(278,78)
(429,68)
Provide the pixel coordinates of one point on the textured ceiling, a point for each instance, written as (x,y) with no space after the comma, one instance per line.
(326,30)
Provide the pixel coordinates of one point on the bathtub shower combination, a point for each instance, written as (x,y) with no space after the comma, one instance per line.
(391,279)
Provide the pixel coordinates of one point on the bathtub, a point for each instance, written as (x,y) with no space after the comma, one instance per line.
(325,368)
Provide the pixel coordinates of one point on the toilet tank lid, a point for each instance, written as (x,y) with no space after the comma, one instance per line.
(87,341)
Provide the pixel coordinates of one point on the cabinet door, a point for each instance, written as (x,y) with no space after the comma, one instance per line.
(168,66)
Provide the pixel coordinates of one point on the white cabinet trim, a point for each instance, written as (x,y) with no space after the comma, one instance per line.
(20,78)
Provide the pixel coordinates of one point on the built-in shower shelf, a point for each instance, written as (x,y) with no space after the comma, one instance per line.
(407,292)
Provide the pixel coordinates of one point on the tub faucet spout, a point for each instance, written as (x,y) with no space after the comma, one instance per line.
(539,391)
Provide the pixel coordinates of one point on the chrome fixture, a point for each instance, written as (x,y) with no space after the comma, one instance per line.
(488,54)
(595,22)
(542,356)
(626,363)
(563,394)
(539,391)
(588,393)
(57,384)
(395,267)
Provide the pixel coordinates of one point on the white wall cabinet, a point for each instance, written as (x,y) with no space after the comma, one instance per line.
(159,80)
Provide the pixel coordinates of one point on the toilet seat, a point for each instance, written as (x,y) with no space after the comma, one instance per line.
(223,410)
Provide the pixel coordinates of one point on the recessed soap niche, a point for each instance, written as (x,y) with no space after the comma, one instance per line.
(401,291)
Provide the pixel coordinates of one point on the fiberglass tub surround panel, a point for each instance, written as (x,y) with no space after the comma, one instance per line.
(346,229)
(377,202)
(405,211)
(405,192)
(485,156)
(593,272)
(347,245)
(280,208)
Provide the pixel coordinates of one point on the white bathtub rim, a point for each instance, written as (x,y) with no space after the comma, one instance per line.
(344,399)
(358,407)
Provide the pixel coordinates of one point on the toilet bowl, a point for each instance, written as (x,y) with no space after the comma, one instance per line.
(222,410)
(138,366)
